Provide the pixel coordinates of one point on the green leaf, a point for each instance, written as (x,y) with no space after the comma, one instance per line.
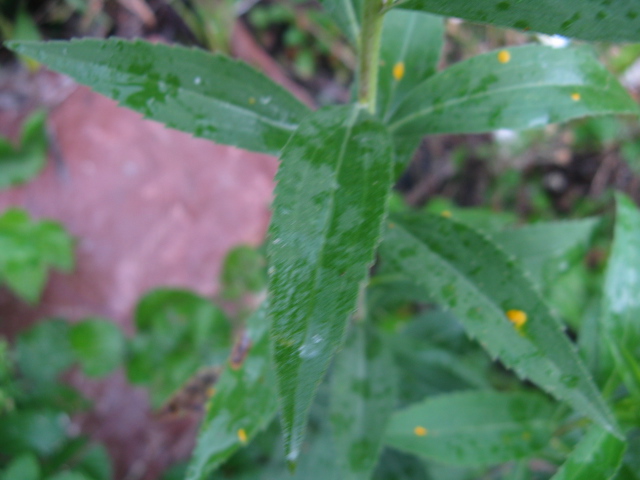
(586,19)
(596,457)
(98,345)
(38,431)
(474,428)
(178,332)
(330,203)
(17,165)
(69,476)
(466,272)
(363,385)
(621,303)
(245,401)
(413,40)
(347,14)
(209,96)
(25,467)
(516,88)
(96,463)
(409,54)
(243,271)
(27,249)
(543,248)
(43,352)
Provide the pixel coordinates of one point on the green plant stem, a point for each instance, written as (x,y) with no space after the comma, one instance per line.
(370,33)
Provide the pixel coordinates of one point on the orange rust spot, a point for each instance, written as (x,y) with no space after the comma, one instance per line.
(252,100)
(504,56)
(575,96)
(517,317)
(420,431)
(242,435)
(398,71)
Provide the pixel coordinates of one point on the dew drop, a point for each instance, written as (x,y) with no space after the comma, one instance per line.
(197,81)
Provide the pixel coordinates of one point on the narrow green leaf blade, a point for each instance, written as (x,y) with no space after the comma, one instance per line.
(515,88)
(543,248)
(597,457)
(409,54)
(347,14)
(621,308)
(330,203)
(586,19)
(363,394)
(244,403)
(465,271)
(209,96)
(474,428)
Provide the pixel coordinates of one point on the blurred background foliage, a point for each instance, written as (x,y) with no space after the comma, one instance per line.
(494,182)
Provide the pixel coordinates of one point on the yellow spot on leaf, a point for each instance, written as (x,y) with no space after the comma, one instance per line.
(242,435)
(252,100)
(517,317)
(398,71)
(504,56)
(446,214)
(420,431)
(575,96)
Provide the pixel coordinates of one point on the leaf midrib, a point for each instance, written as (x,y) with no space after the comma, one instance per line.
(456,101)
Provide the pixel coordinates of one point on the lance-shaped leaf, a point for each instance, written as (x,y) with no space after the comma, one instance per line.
(347,14)
(474,428)
(209,96)
(363,385)
(596,457)
(586,19)
(244,401)
(621,294)
(514,88)
(330,203)
(543,248)
(463,270)
(409,54)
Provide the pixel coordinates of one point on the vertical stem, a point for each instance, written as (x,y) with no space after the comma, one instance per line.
(370,33)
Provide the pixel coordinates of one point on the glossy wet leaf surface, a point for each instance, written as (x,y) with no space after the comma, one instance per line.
(21,163)
(330,203)
(544,249)
(473,428)
(178,333)
(587,19)
(243,404)
(621,294)
(464,271)
(515,88)
(209,96)
(596,457)
(363,395)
